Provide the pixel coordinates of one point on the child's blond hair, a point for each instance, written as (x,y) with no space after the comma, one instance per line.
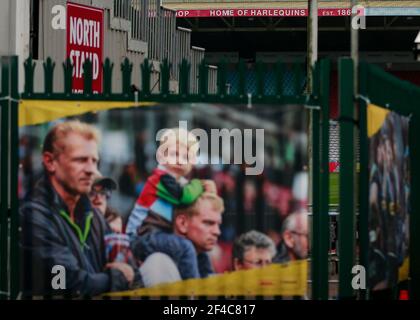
(182,136)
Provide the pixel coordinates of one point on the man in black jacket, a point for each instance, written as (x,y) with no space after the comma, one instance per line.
(62,236)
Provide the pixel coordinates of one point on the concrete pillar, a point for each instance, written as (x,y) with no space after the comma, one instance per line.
(14,31)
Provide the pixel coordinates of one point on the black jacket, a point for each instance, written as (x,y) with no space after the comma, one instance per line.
(48,238)
(282,255)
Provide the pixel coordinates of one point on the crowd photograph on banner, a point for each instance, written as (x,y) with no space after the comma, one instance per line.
(181,193)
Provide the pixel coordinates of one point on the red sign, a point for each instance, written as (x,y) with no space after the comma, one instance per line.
(279,12)
(85,39)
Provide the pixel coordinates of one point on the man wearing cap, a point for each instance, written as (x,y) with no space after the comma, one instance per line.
(99,195)
(62,240)
(101,192)
(117,244)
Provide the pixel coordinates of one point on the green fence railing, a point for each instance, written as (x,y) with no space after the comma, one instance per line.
(385,90)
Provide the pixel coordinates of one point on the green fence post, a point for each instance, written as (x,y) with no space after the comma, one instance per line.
(14,172)
(324,221)
(126,71)
(49,67)
(68,77)
(184,78)
(146,69)
(320,182)
(165,71)
(4,174)
(316,142)
(203,79)
(108,67)
(29,67)
(325,177)
(415,208)
(363,177)
(346,226)
(87,78)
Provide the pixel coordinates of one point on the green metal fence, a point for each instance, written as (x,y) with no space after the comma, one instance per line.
(9,100)
(9,258)
(382,89)
(376,86)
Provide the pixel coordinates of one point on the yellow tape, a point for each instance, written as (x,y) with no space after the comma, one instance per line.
(404,270)
(288,279)
(33,112)
(375,118)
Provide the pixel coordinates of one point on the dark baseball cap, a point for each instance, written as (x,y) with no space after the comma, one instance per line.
(105,182)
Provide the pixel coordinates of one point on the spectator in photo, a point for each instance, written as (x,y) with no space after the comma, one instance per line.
(99,195)
(151,220)
(251,250)
(167,186)
(294,244)
(114,220)
(59,225)
(199,224)
(117,243)
(101,192)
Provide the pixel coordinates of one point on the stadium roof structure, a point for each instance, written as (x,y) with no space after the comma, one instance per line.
(279,8)
(248,27)
(282,15)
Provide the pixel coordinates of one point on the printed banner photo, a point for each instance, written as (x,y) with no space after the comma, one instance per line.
(389,197)
(149,199)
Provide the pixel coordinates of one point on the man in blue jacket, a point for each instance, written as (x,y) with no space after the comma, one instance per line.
(198,223)
(60,229)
